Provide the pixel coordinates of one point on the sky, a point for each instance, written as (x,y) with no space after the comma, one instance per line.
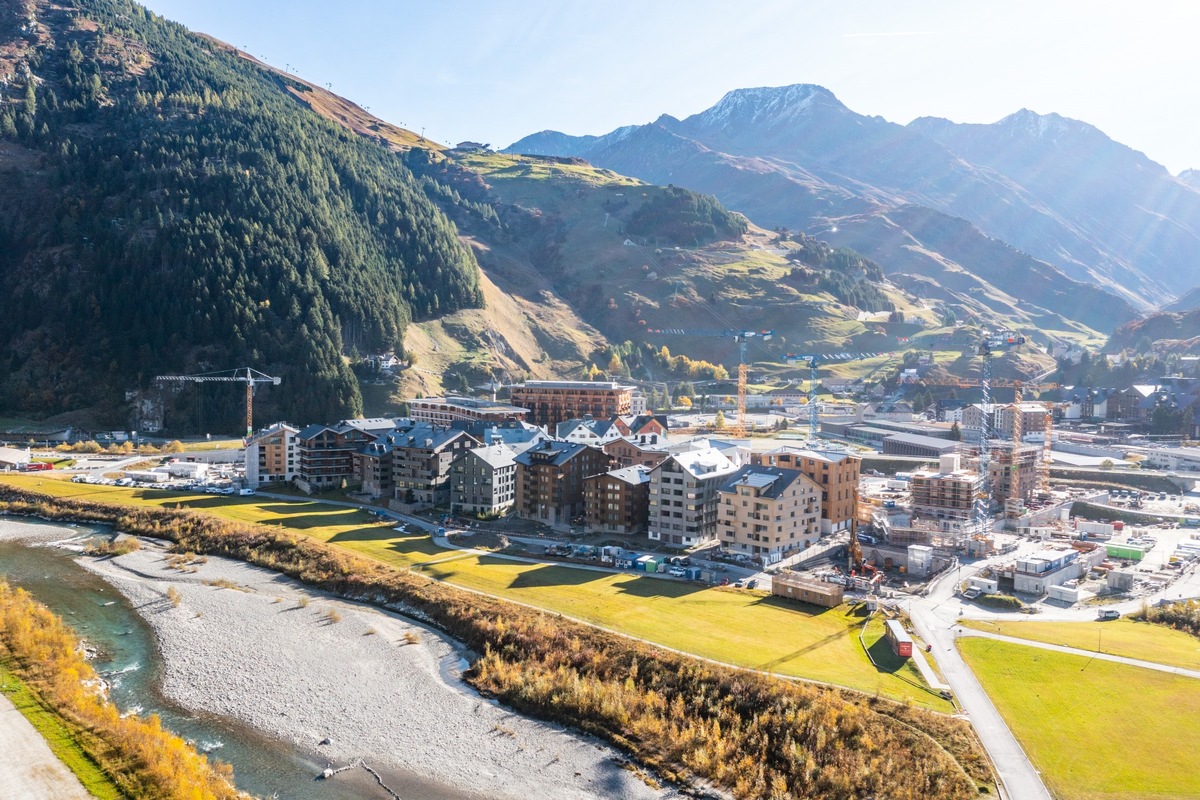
(493,72)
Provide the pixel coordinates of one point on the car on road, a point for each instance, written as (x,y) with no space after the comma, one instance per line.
(1107,614)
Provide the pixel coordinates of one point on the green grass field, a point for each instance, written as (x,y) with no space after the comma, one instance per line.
(1096,730)
(59,737)
(1122,637)
(749,629)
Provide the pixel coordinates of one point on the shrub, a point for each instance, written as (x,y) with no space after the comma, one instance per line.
(1004,602)
(142,758)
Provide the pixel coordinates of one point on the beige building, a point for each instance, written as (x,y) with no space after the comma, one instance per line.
(836,473)
(444,410)
(767,512)
(270,455)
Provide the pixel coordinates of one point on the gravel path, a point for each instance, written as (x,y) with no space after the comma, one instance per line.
(28,769)
(304,667)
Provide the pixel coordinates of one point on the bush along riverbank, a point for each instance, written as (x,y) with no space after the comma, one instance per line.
(689,720)
(137,757)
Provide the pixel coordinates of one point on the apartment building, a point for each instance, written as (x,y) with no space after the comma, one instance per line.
(444,410)
(550,481)
(767,512)
(483,480)
(421,459)
(552,402)
(617,501)
(326,452)
(270,455)
(836,473)
(649,450)
(683,497)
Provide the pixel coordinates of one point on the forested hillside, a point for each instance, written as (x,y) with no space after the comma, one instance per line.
(165,206)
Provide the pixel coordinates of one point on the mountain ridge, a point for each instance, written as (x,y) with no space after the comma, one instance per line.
(881,162)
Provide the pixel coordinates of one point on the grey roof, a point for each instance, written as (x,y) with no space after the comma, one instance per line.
(770,481)
(424,436)
(551,452)
(635,475)
(923,441)
(495,455)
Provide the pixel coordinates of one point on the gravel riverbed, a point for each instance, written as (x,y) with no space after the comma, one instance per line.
(307,668)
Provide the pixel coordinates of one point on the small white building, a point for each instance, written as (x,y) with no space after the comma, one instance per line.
(13,458)
(187,469)
(1036,573)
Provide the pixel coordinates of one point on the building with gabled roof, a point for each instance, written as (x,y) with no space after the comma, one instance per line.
(683,497)
(647,449)
(595,432)
(550,481)
(617,501)
(421,459)
(326,452)
(767,512)
(270,455)
(483,480)
(836,472)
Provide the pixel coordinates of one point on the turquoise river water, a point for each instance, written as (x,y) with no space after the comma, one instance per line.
(130,662)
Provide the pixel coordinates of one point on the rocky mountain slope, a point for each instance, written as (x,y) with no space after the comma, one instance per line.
(796,157)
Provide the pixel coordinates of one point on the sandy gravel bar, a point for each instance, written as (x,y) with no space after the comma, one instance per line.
(304,667)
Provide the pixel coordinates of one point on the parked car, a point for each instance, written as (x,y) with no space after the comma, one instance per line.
(677,572)
(971,594)
(1108,613)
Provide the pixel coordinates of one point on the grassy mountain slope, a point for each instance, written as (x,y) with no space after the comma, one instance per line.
(168,207)
(1163,333)
(796,157)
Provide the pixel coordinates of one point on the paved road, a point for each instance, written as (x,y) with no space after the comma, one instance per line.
(934,617)
(28,770)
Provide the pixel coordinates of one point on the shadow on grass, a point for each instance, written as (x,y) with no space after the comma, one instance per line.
(885,658)
(832,638)
(807,609)
(644,586)
(540,576)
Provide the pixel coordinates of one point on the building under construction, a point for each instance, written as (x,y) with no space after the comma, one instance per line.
(946,493)
(1013,470)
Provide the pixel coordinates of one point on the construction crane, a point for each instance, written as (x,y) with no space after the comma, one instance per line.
(742,338)
(814,359)
(247,375)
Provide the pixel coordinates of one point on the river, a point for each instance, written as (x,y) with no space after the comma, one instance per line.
(131,663)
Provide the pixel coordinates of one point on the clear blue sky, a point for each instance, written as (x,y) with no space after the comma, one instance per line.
(494,71)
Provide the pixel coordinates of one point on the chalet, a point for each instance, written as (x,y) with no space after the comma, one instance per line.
(617,501)
(483,480)
(550,480)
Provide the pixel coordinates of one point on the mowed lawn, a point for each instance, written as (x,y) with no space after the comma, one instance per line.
(1121,637)
(1096,730)
(745,628)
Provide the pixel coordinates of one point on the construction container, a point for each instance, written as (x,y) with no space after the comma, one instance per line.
(1125,552)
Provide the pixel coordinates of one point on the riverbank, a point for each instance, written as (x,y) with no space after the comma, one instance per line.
(308,668)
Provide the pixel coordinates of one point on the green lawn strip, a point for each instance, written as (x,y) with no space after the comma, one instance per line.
(60,735)
(1096,730)
(1123,637)
(737,627)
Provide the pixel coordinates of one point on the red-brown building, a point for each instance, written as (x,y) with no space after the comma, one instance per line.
(617,501)
(648,450)
(550,480)
(552,402)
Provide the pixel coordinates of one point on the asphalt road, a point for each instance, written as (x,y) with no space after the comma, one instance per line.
(28,770)
(934,617)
